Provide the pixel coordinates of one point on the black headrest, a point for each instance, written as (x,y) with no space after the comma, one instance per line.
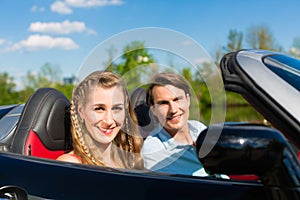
(146,120)
(141,108)
(45,113)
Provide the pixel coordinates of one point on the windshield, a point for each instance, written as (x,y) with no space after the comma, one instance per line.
(288,68)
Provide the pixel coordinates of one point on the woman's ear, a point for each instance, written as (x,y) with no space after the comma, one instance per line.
(80,111)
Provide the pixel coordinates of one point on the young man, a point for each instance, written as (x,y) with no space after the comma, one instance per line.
(170,147)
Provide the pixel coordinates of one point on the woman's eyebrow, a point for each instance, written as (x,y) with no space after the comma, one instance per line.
(103,104)
(98,104)
(118,104)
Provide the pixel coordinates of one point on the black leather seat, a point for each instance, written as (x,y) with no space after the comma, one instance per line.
(146,121)
(43,129)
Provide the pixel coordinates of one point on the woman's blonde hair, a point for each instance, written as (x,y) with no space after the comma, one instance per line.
(126,146)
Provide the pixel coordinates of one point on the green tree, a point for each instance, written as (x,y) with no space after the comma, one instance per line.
(43,78)
(7,90)
(66,89)
(260,37)
(135,55)
(235,40)
(295,50)
(196,93)
(48,76)
(234,43)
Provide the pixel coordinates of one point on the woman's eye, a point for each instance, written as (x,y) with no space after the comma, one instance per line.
(118,108)
(98,108)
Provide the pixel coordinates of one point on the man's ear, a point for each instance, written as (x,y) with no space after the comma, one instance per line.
(188,99)
(152,110)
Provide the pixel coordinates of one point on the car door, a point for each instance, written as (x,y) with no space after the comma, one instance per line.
(48,179)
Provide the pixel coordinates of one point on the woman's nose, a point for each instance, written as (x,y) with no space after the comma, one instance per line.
(108,118)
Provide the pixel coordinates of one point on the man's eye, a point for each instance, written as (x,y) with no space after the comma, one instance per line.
(178,99)
(162,103)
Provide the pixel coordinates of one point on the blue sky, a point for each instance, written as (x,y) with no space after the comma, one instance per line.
(64,32)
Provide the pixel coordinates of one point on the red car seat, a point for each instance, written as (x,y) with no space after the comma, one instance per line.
(43,129)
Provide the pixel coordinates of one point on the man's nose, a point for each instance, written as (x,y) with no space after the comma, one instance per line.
(173,106)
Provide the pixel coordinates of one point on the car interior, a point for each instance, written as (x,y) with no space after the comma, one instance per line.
(43,129)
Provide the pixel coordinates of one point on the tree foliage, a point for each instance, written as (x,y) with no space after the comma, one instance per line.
(134,57)
(48,76)
(295,50)
(260,37)
(235,40)
(7,89)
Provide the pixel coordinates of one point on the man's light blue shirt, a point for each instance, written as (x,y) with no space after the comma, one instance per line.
(163,154)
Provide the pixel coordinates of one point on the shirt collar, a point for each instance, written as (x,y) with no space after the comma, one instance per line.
(169,142)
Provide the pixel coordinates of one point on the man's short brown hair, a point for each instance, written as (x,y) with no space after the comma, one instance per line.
(167,78)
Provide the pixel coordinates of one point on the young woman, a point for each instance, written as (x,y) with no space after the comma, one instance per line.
(104,127)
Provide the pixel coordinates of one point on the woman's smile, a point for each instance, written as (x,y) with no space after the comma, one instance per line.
(106,131)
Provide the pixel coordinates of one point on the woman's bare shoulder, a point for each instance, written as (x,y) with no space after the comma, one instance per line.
(70,157)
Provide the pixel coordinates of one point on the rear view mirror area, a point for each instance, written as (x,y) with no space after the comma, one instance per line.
(253,149)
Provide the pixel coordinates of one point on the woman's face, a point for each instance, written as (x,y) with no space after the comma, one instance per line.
(103,113)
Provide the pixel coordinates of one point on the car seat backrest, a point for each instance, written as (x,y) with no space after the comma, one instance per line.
(146,121)
(43,129)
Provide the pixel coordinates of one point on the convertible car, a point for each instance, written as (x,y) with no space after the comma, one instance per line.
(261,161)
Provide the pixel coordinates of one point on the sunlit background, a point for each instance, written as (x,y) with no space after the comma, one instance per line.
(45,43)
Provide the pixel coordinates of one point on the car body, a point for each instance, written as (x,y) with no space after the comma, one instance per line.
(269,81)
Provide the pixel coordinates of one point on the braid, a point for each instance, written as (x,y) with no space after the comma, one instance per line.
(129,137)
(80,147)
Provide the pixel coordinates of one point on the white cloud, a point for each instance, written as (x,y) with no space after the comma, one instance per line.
(65,27)
(93,3)
(61,7)
(91,32)
(40,42)
(37,9)
(2,41)
(65,7)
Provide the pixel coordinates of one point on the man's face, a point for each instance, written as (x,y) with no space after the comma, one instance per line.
(171,107)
